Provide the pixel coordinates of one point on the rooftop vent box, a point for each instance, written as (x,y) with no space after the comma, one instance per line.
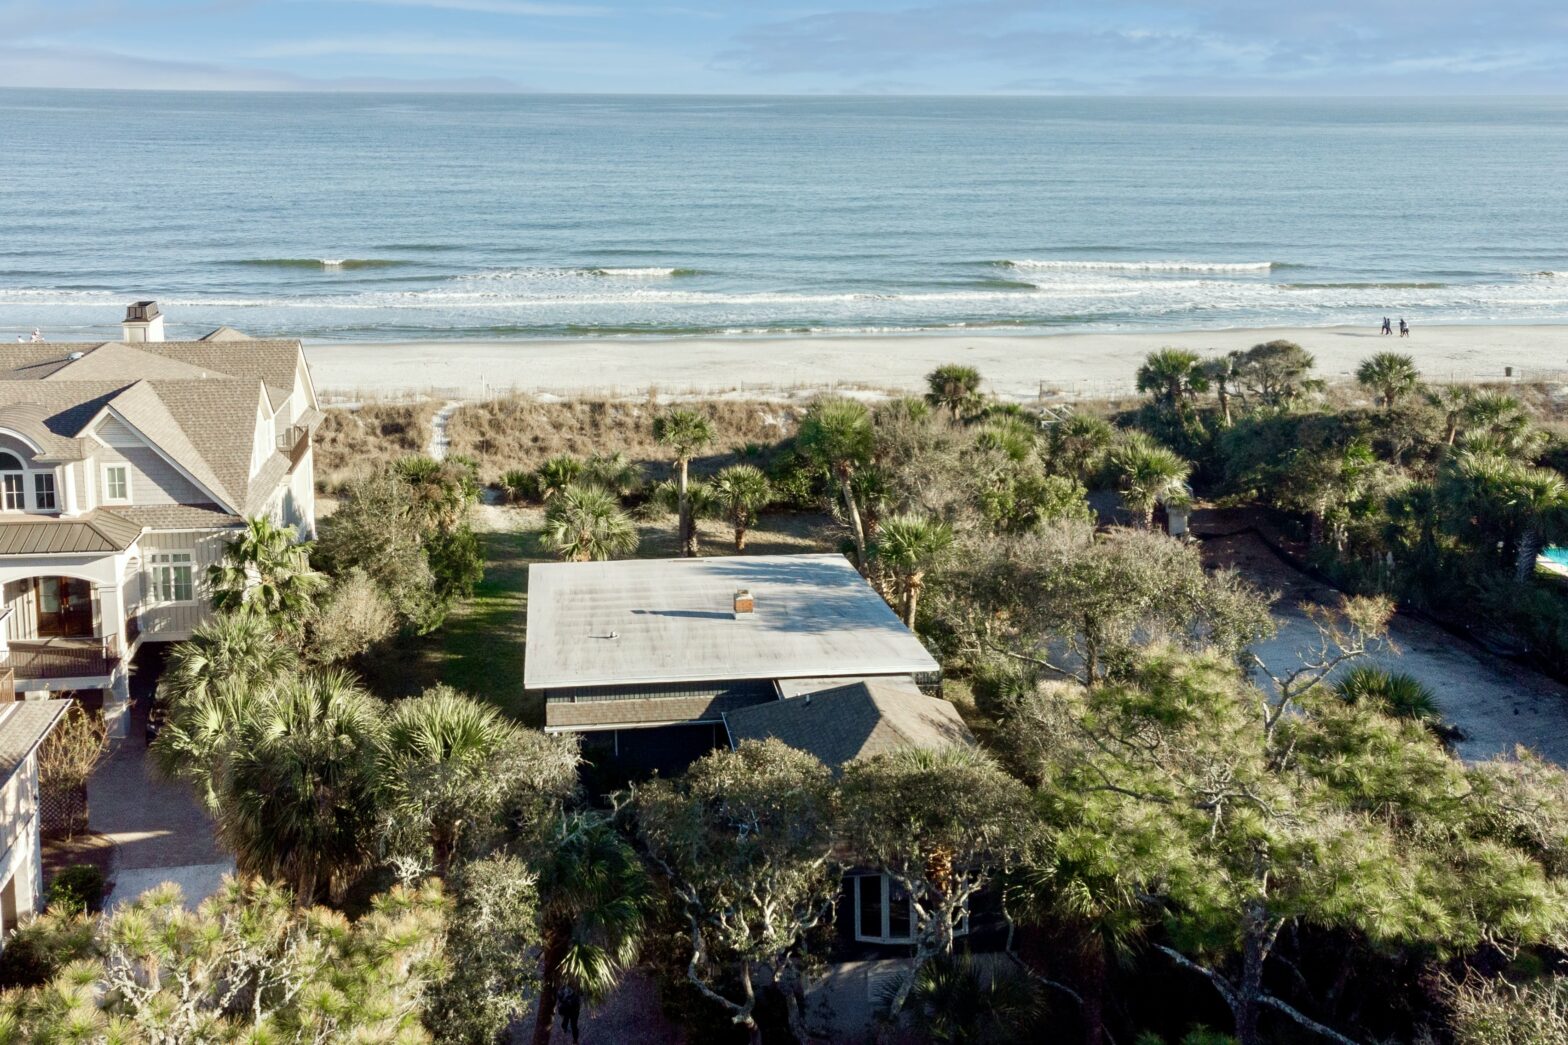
(745,605)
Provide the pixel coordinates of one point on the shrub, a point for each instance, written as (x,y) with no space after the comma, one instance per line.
(77,889)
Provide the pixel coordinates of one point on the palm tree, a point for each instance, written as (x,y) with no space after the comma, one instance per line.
(266,570)
(1391,375)
(555,475)
(1223,374)
(228,651)
(517,484)
(212,683)
(439,762)
(1086,890)
(1495,422)
(958,1001)
(298,797)
(954,388)
(836,434)
(443,490)
(1076,445)
(585,523)
(1396,693)
(613,472)
(1452,400)
(1506,504)
(592,895)
(739,492)
(909,546)
(1011,437)
(1173,376)
(1148,474)
(685,432)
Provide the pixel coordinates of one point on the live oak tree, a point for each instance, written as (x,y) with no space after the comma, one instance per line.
(1234,820)
(1276,374)
(942,824)
(1071,603)
(745,842)
(491,940)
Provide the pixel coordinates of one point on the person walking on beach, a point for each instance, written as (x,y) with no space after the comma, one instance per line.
(1388,327)
(569,1004)
(1404,328)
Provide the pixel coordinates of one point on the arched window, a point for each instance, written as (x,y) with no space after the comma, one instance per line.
(12,498)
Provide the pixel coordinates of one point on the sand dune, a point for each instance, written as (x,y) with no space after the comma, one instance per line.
(1015,367)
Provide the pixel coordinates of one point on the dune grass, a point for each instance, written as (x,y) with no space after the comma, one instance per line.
(521,432)
(355,441)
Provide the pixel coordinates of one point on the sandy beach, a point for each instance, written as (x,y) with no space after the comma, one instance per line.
(1015,367)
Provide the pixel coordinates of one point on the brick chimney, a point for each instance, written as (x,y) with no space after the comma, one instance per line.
(745,606)
(142,322)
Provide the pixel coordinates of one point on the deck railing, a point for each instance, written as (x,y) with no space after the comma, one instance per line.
(62,659)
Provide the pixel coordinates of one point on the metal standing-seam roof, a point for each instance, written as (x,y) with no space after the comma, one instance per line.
(853,721)
(23,726)
(98,532)
(672,620)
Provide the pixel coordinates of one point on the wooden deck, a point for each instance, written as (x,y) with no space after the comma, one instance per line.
(60,659)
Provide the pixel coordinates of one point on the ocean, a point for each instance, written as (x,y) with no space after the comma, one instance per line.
(393,217)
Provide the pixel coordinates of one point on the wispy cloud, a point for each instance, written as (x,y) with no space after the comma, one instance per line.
(391,46)
(85,67)
(523,8)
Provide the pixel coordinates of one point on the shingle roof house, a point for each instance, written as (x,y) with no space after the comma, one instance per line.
(23,728)
(124,466)
(849,721)
(651,657)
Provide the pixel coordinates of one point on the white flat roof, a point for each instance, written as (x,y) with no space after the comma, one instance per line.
(672,620)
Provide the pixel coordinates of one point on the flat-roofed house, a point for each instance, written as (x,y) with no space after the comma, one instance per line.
(124,468)
(24,725)
(646,657)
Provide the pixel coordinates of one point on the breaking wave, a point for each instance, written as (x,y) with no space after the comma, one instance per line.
(1141,266)
(330,264)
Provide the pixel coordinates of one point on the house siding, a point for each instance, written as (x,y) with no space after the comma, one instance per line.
(170,622)
(19,860)
(22,622)
(153,480)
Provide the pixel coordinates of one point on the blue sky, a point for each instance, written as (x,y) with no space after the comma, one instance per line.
(783,47)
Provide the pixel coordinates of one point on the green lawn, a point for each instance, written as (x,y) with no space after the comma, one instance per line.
(479,649)
(481,644)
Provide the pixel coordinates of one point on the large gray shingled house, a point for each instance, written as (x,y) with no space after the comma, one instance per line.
(124,468)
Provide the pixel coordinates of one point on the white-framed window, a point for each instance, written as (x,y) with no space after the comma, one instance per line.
(116,482)
(13,483)
(884,912)
(43,491)
(173,579)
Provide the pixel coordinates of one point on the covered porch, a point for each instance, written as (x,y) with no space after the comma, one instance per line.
(67,621)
